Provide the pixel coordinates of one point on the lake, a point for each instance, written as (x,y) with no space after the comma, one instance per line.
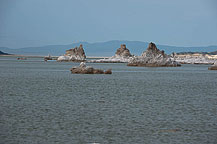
(43,103)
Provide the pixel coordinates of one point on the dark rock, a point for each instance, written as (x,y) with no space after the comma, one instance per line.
(21,58)
(98,71)
(213,67)
(109,71)
(49,57)
(83,69)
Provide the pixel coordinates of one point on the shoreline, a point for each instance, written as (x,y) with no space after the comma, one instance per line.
(183,59)
(33,56)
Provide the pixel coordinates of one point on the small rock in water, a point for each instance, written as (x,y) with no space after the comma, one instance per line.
(170,130)
(83,69)
(109,71)
(213,67)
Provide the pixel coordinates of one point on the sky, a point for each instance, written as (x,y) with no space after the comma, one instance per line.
(30,23)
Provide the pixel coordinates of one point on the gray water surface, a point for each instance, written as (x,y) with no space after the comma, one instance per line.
(43,103)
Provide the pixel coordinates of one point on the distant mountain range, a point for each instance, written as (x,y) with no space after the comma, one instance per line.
(102,48)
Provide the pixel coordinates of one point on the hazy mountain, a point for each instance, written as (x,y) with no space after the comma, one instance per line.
(103,48)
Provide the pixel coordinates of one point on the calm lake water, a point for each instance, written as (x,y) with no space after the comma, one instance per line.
(43,103)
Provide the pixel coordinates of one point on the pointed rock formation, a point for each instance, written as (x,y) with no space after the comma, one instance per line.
(123,52)
(153,57)
(122,55)
(74,54)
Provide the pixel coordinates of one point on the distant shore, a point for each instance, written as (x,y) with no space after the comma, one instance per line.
(195,58)
(22,56)
(33,56)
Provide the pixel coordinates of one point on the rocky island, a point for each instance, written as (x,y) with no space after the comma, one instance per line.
(153,57)
(122,55)
(83,69)
(76,54)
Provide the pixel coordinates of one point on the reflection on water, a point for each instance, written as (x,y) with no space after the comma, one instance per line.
(41,102)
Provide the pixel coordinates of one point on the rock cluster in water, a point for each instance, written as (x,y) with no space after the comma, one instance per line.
(213,67)
(83,69)
(122,55)
(153,57)
(74,54)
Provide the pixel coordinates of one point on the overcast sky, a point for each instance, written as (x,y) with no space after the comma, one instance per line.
(43,22)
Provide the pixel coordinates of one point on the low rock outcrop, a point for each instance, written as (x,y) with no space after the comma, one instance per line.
(122,55)
(49,57)
(153,57)
(194,58)
(213,67)
(75,54)
(83,69)
(21,58)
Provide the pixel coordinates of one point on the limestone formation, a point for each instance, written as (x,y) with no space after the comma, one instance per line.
(74,54)
(213,67)
(122,55)
(123,52)
(153,57)
(83,69)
